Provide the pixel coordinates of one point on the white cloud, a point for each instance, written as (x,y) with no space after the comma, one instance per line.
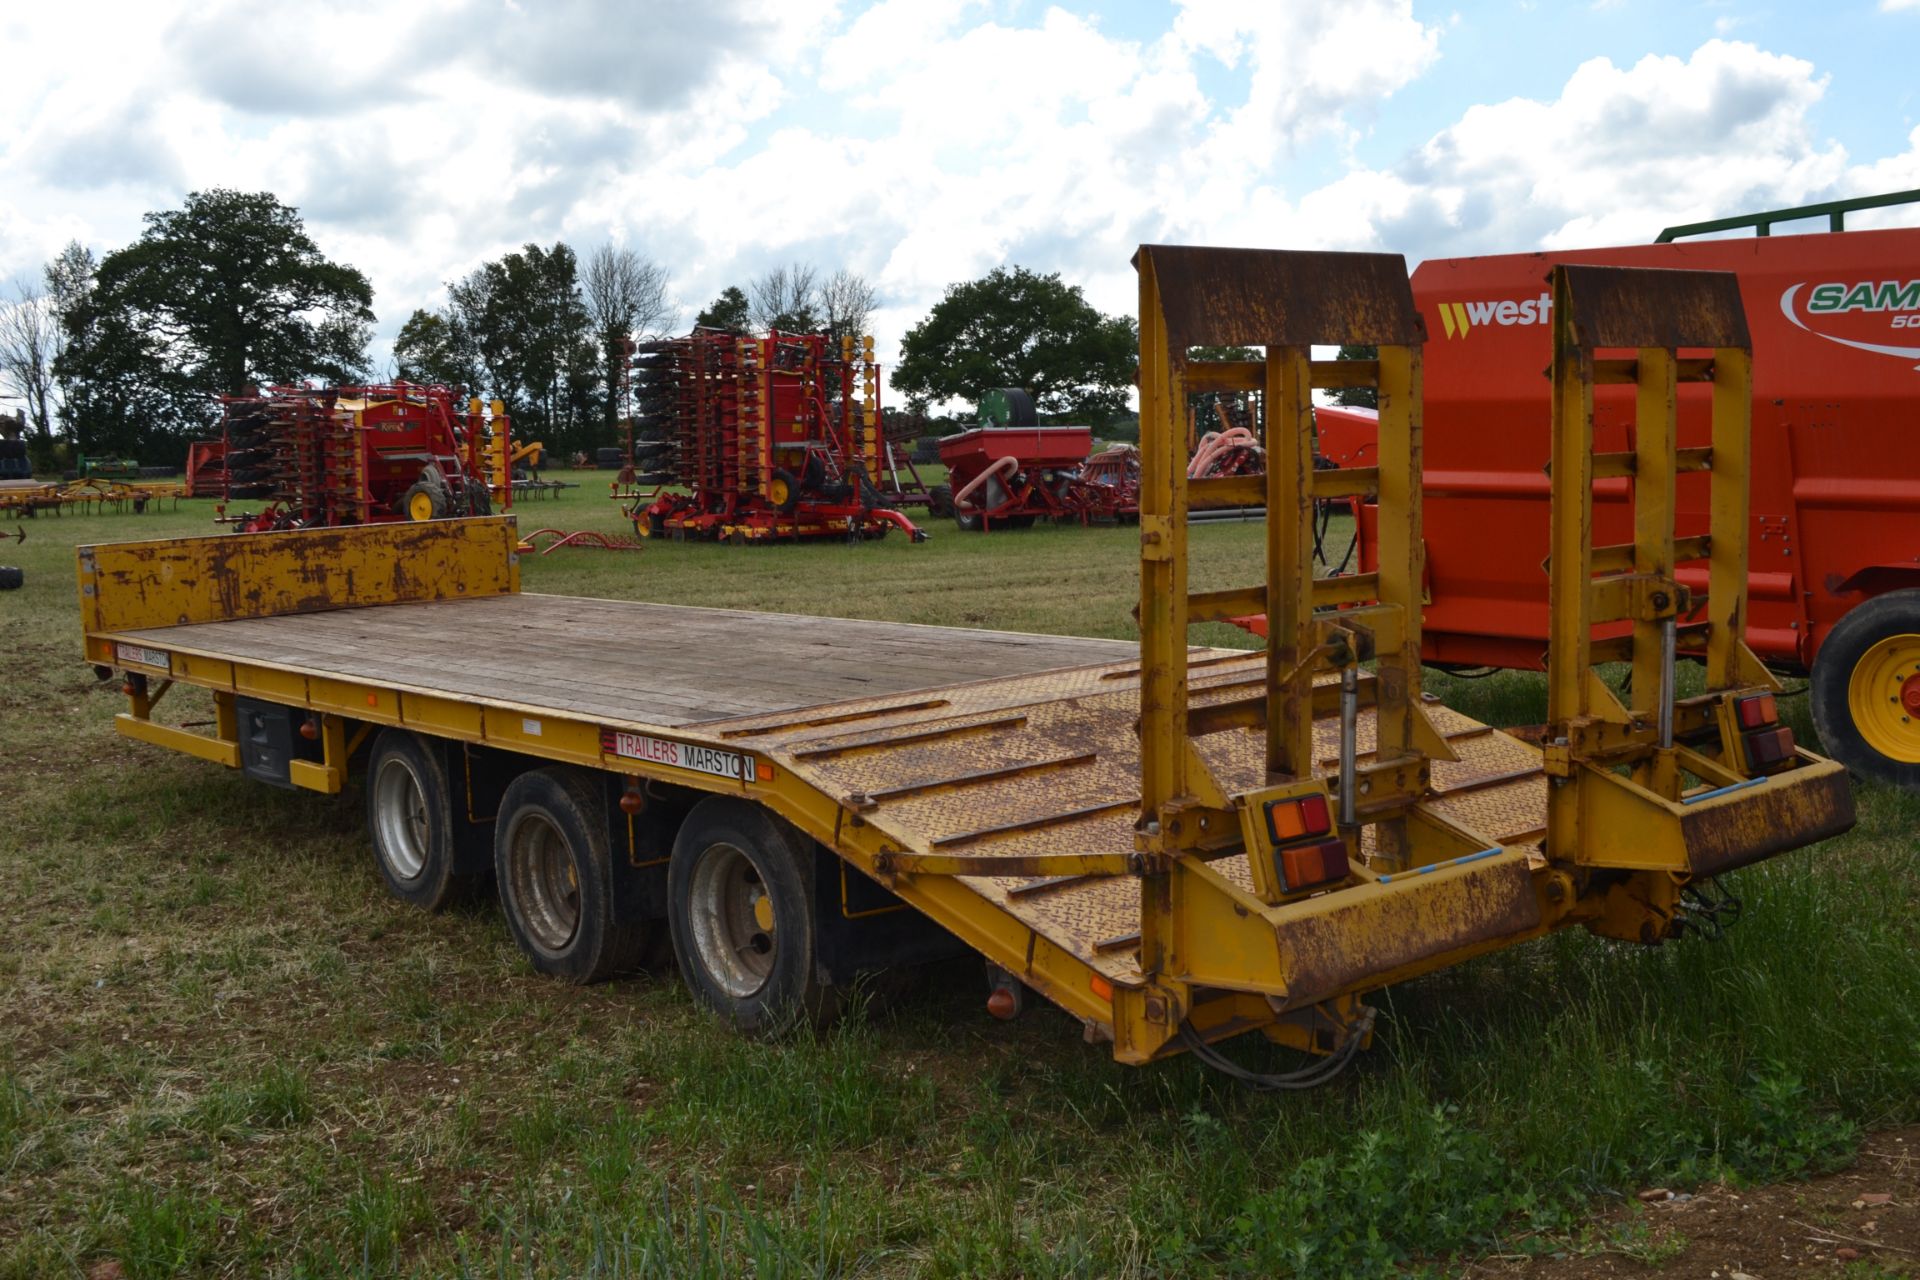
(1619,154)
(921,142)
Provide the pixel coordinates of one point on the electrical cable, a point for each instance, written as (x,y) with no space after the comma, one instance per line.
(1308,1077)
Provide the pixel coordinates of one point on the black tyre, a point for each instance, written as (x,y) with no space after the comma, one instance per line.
(740,903)
(1866,689)
(410,820)
(555,871)
(12,578)
(940,501)
(784,492)
(423,501)
(479,498)
(969,521)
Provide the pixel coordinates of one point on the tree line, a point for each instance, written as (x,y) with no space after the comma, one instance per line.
(128,353)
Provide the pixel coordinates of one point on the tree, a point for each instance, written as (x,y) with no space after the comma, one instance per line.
(1016,328)
(728,311)
(847,302)
(1358,397)
(626,295)
(117,392)
(223,294)
(531,332)
(69,278)
(240,294)
(434,346)
(30,341)
(786,298)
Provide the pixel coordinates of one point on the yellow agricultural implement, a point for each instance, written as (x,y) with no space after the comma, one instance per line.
(1175,845)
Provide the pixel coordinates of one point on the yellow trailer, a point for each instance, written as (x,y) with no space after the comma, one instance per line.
(1174,844)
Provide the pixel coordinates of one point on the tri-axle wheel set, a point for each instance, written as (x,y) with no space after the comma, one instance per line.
(739,886)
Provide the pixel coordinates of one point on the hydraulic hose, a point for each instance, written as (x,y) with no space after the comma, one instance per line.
(1008,464)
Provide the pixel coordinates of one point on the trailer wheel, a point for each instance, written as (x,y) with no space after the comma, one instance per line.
(555,871)
(1866,689)
(940,500)
(479,498)
(969,521)
(410,820)
(740,903)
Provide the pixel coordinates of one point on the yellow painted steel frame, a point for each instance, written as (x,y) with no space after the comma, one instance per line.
(1430,893)
(132,586)
(1197,929)
(1648,818)
(138,585)
(1216,954)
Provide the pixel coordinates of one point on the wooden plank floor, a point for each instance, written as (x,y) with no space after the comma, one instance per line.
(652,663)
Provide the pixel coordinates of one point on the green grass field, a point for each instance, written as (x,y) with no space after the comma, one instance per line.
(225,1051)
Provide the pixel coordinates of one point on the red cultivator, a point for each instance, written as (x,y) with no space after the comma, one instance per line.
(330,456)
(1012,476)
(777,437)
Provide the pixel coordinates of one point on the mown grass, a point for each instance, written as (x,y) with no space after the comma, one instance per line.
(223,1050)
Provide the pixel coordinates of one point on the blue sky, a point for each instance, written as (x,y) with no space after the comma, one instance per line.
(923,142)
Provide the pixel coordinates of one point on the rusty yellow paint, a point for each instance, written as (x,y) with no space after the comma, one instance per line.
(127,586)
(1093,830)
(1641,821)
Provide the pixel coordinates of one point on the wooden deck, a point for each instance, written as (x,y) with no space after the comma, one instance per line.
(668,665)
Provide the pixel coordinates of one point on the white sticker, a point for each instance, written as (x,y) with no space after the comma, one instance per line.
(680,755)
(530,727)
(140,655)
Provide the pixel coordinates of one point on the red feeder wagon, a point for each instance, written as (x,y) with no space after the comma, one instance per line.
(1012,476)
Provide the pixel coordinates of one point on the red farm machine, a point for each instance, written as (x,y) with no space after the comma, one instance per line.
(323,457)
(1010,471)
(1834,577)
(207,469)
(761,439)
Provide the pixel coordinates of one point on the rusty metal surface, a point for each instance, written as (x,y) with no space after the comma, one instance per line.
(951,771)
(1656,307)
(1727,836)
(1279,298)
(126,586)
(1448,911)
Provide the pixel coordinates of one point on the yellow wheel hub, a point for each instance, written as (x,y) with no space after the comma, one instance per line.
(777,491)
(420,507)
(1883,696)
(763,913)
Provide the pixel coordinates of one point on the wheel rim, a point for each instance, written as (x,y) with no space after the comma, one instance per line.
(420,506)
(401,805)
(545,886)
(778,490)
(735,934)
(1883,697)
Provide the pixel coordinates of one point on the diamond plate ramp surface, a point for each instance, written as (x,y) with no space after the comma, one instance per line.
(1050,764)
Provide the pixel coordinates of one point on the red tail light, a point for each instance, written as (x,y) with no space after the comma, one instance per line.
(1306,865)
(1768,749)
(1756,711)
(1297,818)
